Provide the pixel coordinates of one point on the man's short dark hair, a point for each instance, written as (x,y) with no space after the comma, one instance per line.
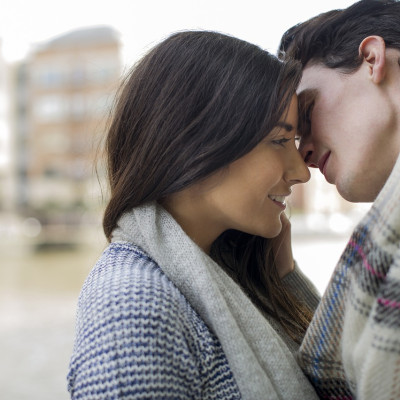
(333,38)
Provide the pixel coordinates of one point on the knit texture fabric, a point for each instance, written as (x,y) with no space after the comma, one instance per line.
(261,362)
(206,341)
(352,347)
(138,338)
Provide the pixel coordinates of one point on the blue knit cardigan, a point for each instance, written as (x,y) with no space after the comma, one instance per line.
(131,319)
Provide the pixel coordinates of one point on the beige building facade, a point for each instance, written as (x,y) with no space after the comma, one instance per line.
(64,92)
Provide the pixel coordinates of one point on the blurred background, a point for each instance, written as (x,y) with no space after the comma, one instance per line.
(60,64)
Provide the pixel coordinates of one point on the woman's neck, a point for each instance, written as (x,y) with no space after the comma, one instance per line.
(193,218)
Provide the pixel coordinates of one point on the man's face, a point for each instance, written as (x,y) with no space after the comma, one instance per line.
(352,135)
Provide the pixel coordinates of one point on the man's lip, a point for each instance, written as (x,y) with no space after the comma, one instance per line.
(322,161)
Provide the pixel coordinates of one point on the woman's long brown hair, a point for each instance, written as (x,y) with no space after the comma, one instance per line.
(195,103)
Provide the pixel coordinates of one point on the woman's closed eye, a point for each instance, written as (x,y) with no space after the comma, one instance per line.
(281,142)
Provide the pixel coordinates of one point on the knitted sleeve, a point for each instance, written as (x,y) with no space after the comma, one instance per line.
(302,287)
(135,335)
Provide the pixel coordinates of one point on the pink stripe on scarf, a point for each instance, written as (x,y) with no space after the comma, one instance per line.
(389,303)
(364,258)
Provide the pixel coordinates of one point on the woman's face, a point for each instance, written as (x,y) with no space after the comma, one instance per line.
(249,195)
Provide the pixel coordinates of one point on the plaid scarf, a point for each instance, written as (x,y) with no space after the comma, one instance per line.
(352,347)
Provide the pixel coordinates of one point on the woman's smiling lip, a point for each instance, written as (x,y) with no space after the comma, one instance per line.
(281,205)
(279,200)
(322,162)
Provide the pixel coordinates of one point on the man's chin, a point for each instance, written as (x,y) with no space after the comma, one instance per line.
(355,194)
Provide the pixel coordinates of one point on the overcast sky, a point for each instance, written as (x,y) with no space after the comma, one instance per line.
(143,23)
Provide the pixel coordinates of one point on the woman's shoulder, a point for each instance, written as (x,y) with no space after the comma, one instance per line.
(128,299)
(119,255)
(135,328)
(123,264)
(124,273)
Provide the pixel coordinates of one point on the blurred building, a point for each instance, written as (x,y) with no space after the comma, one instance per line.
(63,94)
(5,179)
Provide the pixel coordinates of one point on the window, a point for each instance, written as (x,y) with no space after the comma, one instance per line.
(50,108)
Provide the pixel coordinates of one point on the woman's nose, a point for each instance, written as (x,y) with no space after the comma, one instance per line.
(298,171)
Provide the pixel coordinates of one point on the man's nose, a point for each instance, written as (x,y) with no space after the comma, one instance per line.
(307,152)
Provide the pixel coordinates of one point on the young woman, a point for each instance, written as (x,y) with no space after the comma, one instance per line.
(193,299)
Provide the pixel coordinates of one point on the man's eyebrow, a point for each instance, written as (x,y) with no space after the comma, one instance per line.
(285,125)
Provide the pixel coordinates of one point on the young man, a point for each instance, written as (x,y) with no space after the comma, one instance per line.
(350,94)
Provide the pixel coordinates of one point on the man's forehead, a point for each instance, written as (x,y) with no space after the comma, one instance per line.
(316,76)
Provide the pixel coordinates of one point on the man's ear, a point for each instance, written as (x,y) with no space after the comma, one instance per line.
(372,49)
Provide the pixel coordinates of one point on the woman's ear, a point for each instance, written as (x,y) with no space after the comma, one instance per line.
(372,49)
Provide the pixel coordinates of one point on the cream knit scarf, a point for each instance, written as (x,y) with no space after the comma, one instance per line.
(263,366)
(352,346)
